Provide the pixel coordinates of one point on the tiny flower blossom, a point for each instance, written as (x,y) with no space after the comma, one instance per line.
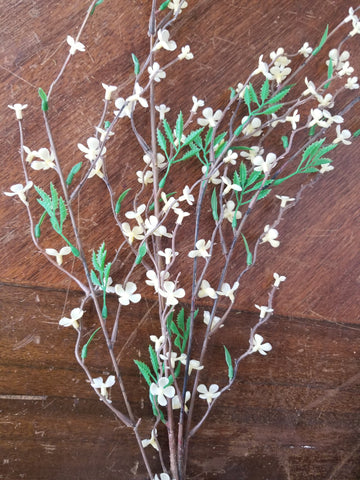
(228,291)
(168,254)
(264,309)
(229,185)
(284,200)
(193,365)
(168,203)
(161,161)
(214,178)
(47,160)
(158,341)
(263,68)
(177,5)
(270,236)
(171,293)
(260,347)
(104,134)
(164,41)
(305,50)
(92,150)
(30,154)
(75,315)
(293,119)
(342,136)
(280,73)
(162,109)
(162,391)
(214,322)
(352,83)
(74,45)
(176,404)
(202,248)
(231,157)
(109,89)
(185,53)
(127,294)
(18,107)
(135,233)
(59,255)
(326,167)
(196,104)
(252,129)
(240,90)
(151,441)
(278,279)
(151,226)
(19,190)
(153,280)
(173,358)
(145,177)
(338,59)
(124,108)
(187,196)
(98,383)
(210,118)
(229,211)
(181,215)
(279,58)
(136,214)
(156,73)
(210,394)
(163,476)
(206,290)
(264,165)
(136,96)
(252,153)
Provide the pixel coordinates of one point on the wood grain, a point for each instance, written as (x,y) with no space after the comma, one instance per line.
(292,415)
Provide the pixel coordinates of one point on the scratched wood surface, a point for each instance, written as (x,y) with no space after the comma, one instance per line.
(292,415)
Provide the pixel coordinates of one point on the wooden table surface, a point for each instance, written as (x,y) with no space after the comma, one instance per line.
(292,415)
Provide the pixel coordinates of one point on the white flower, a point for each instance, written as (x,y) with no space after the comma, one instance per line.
(229,211)
(58,255)
(214,178)
(263,68)
(163,476)
(196,104)
(305,50)
(193,364)
(171,293)
(229,185)
(181,215)
(278,279)
(136,96)
(127,294)
(124,108)
(228,291)
(156,73)
(284,200)
(151,441)
(30,154)
(293,119)
(19,190)
(145,178)
(168,203)
(270,236)
(104,133)
(260,347)
(177,6)
(210,394)
(92,150)
(173,358)
(151,226)
(164,41)
(326,167)
(342,136)
(252,129)
(162,390)
(47,160)
(185,53)
(158,341)
(264,309)
(352,83)
(162,109)
(161,161)
(206,290)
(108,90)
(210,118)
(231,157)
(153,280)
(98,383)
(75,315)
(168,254)
(279,58)
(202,248)
(135,233)
(214,322)
(18,107)
(279,73)
(175,402)
(74,46)
(264,165)
(136,214)
(187,196)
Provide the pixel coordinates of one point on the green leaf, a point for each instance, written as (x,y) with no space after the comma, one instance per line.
(54,197)
(312,130)
(168,132)
(265,89)
(45,201)
(238,130)
(101,257)
(229,363)
(322,41)
(161,140)
(145,372)
(247,98)
(263,193)
(249,258)
(154,360)
(357,133)
(253,95)
(62,210)
(74,250)
(279,96)
(312,149)
(285,141)
(329,73)
(120,199)
(254,176)
(214,206)
(141,254)
(95,279)
(193,136)
(37,231)
(44,102)
(136,64)
(232,92)
(85,347)
(180,319)
(187,155)
(99,2)
(236,179)
(179,126)
(271,110)
(209,137)
(164,5)
(243,173)
(75,169)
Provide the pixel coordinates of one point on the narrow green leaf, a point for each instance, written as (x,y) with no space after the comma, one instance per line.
(74,251)
(141,254)
(101,257)
(229,363)
(243,173)
(136,64)
(322,41)
(329,73)
(192,136)
(238,130)
(247,98)
(357,133)
(145,371)
(232,92)
(254,176)
(271,110)
(95,279)
(120,199)
(312,149)
(285,141)
(44,102)
(249,258)
(62,210)
(280,95)
(180,319)
(209,137)
(154,360)
(37,231)
(214,205)
(75,169)
(54,197)
(236,179)
(164,5)
(265,89)
(85,347)
(253,95)
(312,130)
(168,132)
(161,140)
(99,2)
(179,126)
(191,153)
